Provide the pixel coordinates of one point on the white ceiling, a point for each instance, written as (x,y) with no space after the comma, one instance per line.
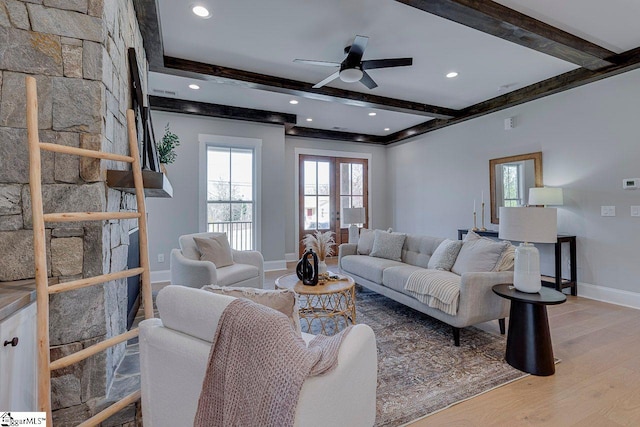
(266,36)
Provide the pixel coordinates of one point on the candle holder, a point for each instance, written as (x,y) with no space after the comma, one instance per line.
(475,227)
(482,228)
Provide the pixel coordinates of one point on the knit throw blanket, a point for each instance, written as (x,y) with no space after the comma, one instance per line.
(436,288)
(257,366)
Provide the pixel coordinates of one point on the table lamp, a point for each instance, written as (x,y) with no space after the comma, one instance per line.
(545,196)
(528,225)
(353,216)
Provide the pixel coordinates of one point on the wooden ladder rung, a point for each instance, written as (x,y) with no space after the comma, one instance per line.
(89,216)
(84,152)
(90,351)
(110,410)
(83,283)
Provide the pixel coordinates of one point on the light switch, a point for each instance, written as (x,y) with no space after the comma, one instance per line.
(607,211)
(635,210)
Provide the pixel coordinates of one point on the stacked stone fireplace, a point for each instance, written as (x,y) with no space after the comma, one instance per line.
(77,50)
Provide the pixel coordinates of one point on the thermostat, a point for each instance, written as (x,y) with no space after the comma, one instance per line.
(630,183)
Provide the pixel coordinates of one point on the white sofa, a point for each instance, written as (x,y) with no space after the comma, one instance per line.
(174,352)
(477,302)
(188,270)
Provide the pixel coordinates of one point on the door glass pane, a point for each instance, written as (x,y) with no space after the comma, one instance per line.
(323,178)
(241,174)
(357,186)
(310,213)
(345,178)
(309,177)
(345,202)
(357,201)
(324,212)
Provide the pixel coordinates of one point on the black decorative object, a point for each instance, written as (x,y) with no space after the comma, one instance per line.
(307,272)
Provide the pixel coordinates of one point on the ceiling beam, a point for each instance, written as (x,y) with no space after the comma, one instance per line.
(305,132)
(500,21)
(173,105)
(149,22)
(302,89)
(626,61)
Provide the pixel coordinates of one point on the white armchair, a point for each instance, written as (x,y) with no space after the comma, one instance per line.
(188,270)
(174,353)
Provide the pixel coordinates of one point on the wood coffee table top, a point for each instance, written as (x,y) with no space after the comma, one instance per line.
(291,281)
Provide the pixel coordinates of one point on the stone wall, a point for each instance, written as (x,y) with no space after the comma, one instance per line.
(77,50)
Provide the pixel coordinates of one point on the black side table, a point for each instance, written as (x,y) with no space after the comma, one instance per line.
(529,346)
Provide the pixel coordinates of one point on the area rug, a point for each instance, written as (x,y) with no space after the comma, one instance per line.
(420,371)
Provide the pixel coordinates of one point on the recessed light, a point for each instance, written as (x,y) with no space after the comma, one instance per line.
(293,101)
(387,129)
(372,114)
(194,86)
(309,119)
(452,75)
(201,11)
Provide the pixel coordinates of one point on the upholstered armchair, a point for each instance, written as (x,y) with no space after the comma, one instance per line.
(188,270)
(174,354)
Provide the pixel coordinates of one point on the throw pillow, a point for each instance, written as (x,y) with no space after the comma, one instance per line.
(388,245)
(478,254)
(445,255)
(365,242)
(507,259)
(215,249)
(283,300)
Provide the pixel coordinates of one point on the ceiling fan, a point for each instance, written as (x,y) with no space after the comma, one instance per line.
(353,68)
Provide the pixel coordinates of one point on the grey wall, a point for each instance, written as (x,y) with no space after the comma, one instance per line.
(590,139)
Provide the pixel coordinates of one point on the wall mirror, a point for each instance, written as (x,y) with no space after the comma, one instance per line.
(510,179)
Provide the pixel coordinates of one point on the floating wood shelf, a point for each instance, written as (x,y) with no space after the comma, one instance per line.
(156,184)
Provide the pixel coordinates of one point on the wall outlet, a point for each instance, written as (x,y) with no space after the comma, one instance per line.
(160,258)
(607,211)
(635,210)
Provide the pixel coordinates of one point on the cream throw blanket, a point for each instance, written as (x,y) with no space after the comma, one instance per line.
(257,366)
(436,288)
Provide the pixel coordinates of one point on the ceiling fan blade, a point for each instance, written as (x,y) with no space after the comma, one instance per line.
(368,81)
(386,63)
(357,50)
(321,63)
(327,80)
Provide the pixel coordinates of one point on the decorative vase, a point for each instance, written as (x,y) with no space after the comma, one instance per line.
(322,267)
(163,168)
(307,272)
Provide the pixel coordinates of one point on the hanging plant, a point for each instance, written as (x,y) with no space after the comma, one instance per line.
(167,147)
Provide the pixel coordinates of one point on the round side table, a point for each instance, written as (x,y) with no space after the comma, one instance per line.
(332,304)
(529,346)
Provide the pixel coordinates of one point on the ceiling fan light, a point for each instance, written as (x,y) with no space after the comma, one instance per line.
(350,75)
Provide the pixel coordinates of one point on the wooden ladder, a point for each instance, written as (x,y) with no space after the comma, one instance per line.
(43,290)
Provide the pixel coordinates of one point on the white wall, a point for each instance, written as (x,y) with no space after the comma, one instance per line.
(590,139)
(171,218)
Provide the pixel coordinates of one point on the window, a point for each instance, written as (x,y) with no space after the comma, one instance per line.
(230,194)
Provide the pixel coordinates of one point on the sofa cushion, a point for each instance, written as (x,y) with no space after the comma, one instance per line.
(215,249)
(388,245)
(236,273)
(396,277)
(283,300)
(445,255)
(417,250)
(365,242)
(367,267)
(478,254)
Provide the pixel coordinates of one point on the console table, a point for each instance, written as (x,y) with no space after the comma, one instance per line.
(556,282)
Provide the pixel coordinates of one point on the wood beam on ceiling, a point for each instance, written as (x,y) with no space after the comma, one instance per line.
(627,61)
(302,89)
(149,22)
(500,21)
(305,132)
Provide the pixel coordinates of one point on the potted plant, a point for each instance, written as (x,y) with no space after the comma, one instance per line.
(167,148)
(322,244)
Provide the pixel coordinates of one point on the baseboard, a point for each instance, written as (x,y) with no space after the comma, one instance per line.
(290,257)
(275,265)
(610,295)
(160,276)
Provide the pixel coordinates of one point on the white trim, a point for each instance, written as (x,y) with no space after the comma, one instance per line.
(610,295)
(160,276)
(326,153)
(290,257)
(233,142)
(275,265)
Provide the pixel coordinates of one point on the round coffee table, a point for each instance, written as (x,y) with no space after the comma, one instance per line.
(529,346)
(331,304)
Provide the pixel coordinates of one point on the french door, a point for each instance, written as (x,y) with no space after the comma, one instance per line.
(327,185)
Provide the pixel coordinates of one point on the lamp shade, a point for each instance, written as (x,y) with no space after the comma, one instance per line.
(545,196)
(353,215)
(533,225)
